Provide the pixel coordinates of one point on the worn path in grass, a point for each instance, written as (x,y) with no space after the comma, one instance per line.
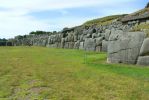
(29,73)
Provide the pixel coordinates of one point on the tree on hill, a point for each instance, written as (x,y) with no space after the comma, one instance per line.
(147,6)
(38,32)
(19,37)
(3,42)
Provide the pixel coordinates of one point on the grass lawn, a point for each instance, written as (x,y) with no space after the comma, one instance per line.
(37,73)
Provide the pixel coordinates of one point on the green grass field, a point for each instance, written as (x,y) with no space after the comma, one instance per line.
(37,73)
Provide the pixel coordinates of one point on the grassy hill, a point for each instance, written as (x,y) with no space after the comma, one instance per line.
(27,73)
(142,26)
(140,12)
(103,21)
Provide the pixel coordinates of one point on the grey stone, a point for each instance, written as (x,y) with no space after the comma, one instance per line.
(66,45)
(76,45)
(89,44)
(99,34)
(104,46)
(71,45)
(144,60)
(81,37)
(147,22)
(91,31)
(107,34)
(145,47)
(81,46)
(94,35)
(75,38)
(98,48)
(70,37)
(88,36)
(126,48)
(99,41)
(115,34)
(44,42)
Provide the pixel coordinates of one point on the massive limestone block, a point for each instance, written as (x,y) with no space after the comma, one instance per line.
(75,38)
(81,37)
(44,43)
(71,45)
(91,31)
(89,44)
(107,34)
(70,37)
(76,45)
(104,46)
(66,45)
(94,35)
(115,34)
(145,47)
(98,48)
(125,48)
(62,42)
(99,41)
(85,31)
(81,46)
(88,36)
(144,60)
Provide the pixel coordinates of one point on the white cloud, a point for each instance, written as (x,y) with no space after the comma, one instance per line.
(14,20)
(34,5)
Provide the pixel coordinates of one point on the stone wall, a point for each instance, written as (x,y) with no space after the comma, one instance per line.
(121,45)
(94,38)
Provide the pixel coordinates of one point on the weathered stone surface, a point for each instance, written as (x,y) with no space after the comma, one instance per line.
(144,60)
(99,41)
(104,46)
(89,44)
(94,35)
(81,47)
(76,45)
(70,37)
(66,45)
(147,22)
(126,48)
(88,36)
(44,43)
(107,34)
(75,38)
(145,47)
(98,48)
(71,45)
(115,34)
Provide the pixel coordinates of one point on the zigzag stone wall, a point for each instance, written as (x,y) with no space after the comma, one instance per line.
(89,38)
(121,45)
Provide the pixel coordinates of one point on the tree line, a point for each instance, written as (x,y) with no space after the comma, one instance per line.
(5,42)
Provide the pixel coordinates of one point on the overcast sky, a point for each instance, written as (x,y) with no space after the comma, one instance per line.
(18,17)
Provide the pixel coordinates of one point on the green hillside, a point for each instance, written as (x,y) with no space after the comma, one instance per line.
(103,21)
